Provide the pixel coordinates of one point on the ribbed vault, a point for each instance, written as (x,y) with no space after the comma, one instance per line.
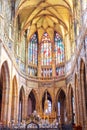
(45,16)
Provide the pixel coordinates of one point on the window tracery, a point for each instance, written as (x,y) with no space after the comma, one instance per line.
(59,49)
(32,56)
(59,54)
(46,50)
(32,48)
(46,54)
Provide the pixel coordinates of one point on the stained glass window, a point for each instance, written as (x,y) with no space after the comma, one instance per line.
(46,50)
(59,49)
(46,72)
(49,106)
(32,48)
(32,71)
(60,71)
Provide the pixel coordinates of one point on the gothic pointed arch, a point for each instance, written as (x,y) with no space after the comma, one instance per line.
(21,104)
(61,106)
(32,102)
(47,102)
(4,91)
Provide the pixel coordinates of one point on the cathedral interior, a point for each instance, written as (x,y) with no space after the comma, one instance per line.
(43,61)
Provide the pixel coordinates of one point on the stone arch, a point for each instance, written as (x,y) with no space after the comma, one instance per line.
(33,103)
(4,92)
(14,99)
(46,96)
(61,105)
(58,92)
(21,104)
(48,92)
(36,97)
(83,91)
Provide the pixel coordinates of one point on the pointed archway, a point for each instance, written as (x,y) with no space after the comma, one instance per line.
(21,104)
(31,103)
(14,100)
(47,102)
(4,92)
(61,106)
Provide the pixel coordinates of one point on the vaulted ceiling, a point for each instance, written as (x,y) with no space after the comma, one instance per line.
(45,16)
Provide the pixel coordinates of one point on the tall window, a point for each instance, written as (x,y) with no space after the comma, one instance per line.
(58,108)
(59,49)
(46,50)
(0,6)
(12,9)
(32,48)
(49,106)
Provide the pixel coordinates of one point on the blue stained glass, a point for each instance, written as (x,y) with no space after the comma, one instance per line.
(59,49)
(46,50)
(32,51)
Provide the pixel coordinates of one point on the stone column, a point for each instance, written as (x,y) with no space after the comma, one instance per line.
(40,106)
(17,107)
(37,102)
(23,106)
(77,105)
(53,104)
(15,103)
(19,50)
(67,48)
(4,112)
(80,103)
(0,49)
(40,98)
(69,105)
(67,108)
(73,44)
(83,98)
(86,57)
(26,106)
